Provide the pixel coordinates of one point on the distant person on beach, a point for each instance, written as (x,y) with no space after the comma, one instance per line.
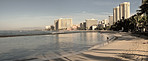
(107,39)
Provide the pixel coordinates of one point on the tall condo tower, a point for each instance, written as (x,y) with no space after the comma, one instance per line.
(116,14)
(124,10)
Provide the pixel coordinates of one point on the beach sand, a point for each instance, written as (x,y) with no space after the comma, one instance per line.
(126,47)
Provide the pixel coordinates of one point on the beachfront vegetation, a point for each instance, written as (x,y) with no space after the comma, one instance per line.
(134,23)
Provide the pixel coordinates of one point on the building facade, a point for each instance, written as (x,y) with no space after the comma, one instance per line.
(49,27)
(100,22)
(90,22)
(116,14)
(121,12)
(83,26)
(124,10)
(110,20)
(63,24)
(105,21)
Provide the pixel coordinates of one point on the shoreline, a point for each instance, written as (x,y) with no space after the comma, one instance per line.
(53,33)
(126,47)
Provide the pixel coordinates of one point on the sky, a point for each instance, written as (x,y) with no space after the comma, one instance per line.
(24,14)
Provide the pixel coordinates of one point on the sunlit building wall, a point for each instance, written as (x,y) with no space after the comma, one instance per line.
(110,20)
(124,10)
(121,12)
(91,22)
(63,23)
(115,14)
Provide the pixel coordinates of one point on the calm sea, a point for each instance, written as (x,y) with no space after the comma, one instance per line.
(25,32)
(44,47)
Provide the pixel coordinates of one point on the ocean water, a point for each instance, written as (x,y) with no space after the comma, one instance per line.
(25,32)
(44,47)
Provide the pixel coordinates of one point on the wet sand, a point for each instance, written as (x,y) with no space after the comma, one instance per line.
(126,47)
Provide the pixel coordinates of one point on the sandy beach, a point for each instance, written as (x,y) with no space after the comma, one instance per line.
(126,47)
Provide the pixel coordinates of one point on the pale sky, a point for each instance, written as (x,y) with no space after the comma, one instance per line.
(20,14)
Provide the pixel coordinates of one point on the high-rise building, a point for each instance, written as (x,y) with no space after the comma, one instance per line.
(100,22)
(110,20)
(121,12)
(105,21)
(91,22)
(63,23)
(83,25)
(117,18)
(124,10)
(116,14)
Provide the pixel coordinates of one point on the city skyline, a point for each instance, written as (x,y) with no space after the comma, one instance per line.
(18,14)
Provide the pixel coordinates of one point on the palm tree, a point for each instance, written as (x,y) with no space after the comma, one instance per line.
(144,9)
